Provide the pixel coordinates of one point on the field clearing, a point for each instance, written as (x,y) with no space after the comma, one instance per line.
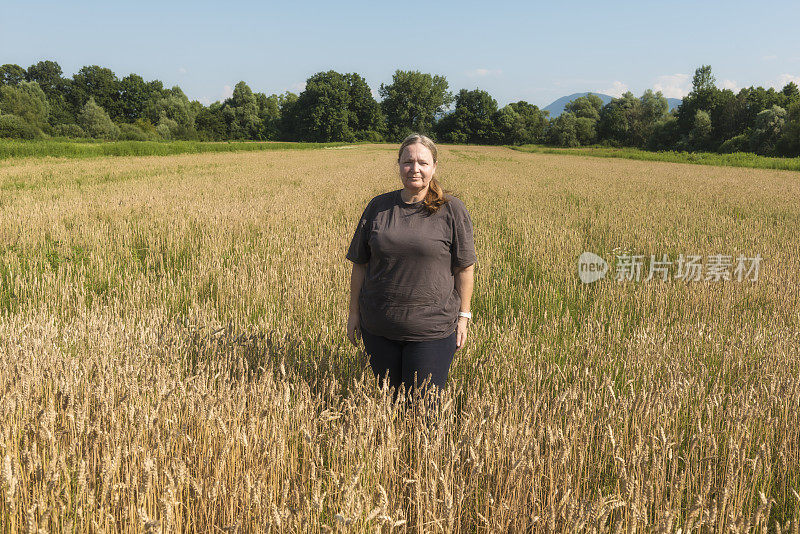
(736,159)
(173,354)
(87,148)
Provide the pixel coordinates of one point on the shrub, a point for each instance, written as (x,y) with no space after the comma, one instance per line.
(68,130)
(163,132)
(96,122)
(15,127)
(734,144)
(146,126)
(171,126)
(369,136)
(131,132)
(27,101)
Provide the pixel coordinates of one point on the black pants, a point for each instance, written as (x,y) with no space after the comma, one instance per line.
(404,360)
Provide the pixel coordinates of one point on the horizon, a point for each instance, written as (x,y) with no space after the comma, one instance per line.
(276,50)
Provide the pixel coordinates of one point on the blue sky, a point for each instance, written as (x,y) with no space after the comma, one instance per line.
(533,51)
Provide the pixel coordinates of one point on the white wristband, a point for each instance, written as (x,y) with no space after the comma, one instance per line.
(468,315)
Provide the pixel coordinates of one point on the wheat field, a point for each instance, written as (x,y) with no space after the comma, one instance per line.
(173,354)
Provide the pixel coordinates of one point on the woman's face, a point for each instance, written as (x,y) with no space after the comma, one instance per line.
(416,167)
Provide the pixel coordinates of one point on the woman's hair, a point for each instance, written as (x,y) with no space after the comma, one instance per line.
(436,196)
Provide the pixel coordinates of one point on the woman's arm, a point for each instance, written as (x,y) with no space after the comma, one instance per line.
(465,280)
(356,281)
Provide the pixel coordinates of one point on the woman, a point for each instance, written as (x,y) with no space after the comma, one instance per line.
(412,278)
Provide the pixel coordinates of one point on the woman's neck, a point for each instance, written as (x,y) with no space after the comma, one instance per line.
(413,196)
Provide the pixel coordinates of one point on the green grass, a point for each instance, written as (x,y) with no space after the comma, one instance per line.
(10,148)
(737,159)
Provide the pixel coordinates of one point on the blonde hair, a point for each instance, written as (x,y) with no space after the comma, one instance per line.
(436,196)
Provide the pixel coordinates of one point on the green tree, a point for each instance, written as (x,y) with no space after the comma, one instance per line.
(534,120)
(48,75)
(135,95)
(586,130)
(586,110)
(651,108)
(665,134)
(520,123)
(269,112)
(174,110)
(99,83)
(210,123)
(630,121)
(240,112)
(333,107)
(27,101)
(789,144)
(412,102)
(616,119)
(11,74)
(321,112)
(563,130)
(287,104)
(366,119)
(791,91)
(767,130)
(701,131)
(703,80)
(654,106)
(588,106)
(703,97)
(726,117)
(508,125)
(96,122)
(472,120)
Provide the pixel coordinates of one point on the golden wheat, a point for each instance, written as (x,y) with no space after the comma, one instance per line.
(173,357)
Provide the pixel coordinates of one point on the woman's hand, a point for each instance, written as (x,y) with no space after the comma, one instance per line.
(353,328)
(464,280)
(461,332)
(356,281)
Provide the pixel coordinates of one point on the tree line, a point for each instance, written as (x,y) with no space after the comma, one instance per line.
(40,101)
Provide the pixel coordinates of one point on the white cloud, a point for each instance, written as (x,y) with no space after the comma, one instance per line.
(673,85)
(783,79)
(182,70)
(298,87)
(481,73)
(616,90)
(769,58)
(729,84)
(227,92)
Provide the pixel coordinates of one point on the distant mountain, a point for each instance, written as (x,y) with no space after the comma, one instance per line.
(557,107)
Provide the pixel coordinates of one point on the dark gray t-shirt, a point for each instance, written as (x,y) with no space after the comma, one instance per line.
(409,289)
